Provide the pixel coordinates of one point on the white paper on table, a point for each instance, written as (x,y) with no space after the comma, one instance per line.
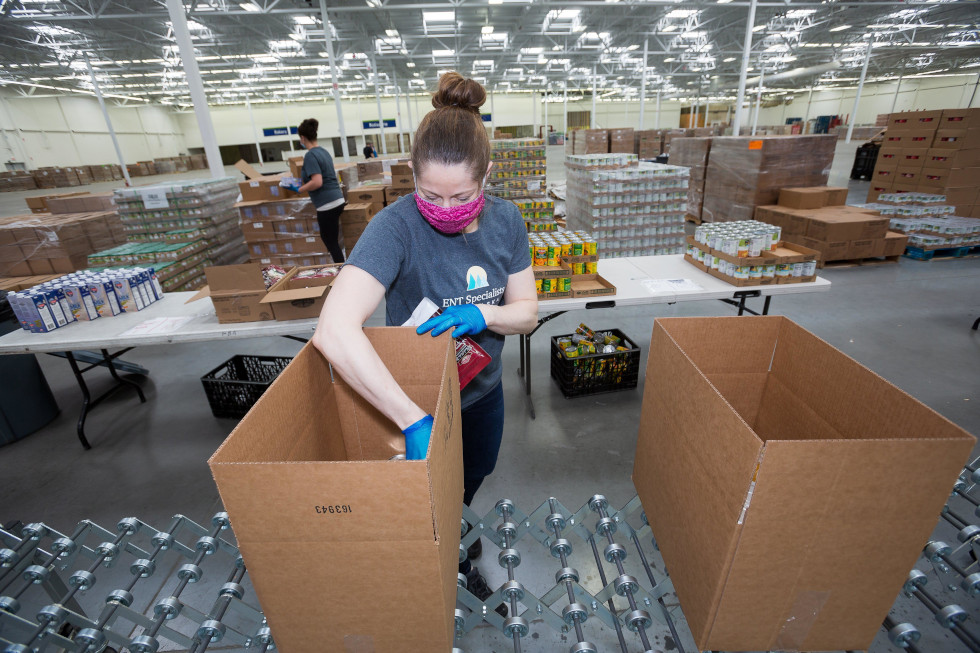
(157,326)
(670,286)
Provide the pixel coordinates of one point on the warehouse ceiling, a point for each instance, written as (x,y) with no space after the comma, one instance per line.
(274,50)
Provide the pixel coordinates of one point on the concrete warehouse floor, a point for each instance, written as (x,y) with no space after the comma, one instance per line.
(909,322)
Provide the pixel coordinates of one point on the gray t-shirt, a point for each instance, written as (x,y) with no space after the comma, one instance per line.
(412,260)
(317,161)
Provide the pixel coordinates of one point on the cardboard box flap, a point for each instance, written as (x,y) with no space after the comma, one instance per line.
(294,294)
(201,294)
(809,509)
(246,169)
(721,476)
(234,278)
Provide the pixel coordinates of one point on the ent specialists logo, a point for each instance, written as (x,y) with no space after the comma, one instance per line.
(476,278)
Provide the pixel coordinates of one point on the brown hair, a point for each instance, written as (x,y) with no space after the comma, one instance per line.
(454,132)
(307,128)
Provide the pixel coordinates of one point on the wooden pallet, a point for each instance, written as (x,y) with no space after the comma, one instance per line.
(858,262)
(692,218)
(942,254)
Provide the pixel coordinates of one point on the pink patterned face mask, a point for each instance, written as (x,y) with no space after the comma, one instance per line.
(451,220)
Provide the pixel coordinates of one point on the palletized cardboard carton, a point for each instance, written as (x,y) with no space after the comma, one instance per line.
(265,189)
(325,520)
(372,194)
(803,198)
(763,461)
(392,194)
(895,244)
(836,195)
(297,299)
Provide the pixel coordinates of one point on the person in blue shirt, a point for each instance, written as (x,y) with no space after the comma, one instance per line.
(465,251)
(320,181)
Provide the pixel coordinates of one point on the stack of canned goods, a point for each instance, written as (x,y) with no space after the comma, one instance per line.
(911,198)
(83,296)
(553,248)
(743,239)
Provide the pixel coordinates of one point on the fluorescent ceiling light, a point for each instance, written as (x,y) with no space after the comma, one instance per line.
(728,60)
(487,29)
(632,47)
(438,16)
(304,20)
(800,13)
(682,13)
(669,60)
(759,28)
(411,64)
(391,32)
(723,2)
(443,53)
(495,2)
(249,6)
(669,28)
(532,50)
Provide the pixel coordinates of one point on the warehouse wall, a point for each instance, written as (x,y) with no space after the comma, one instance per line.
(70,130)
(951,92)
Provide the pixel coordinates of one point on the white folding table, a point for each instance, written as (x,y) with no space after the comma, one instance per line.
(639,281)
(174,322)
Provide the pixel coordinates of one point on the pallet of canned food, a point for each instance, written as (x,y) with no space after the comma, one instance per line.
(590,362)
(519,168)
(750,253)
(565,264)
(634,208)
(932,226)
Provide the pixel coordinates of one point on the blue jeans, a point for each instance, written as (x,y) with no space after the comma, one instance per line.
(483,428)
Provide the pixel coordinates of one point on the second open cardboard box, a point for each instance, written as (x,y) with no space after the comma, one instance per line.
(767,463)
(297,299)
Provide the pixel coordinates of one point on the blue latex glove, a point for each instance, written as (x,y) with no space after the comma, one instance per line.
(467,320)
(417,438)
(293,187)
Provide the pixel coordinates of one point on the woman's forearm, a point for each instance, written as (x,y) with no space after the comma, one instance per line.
(352,356)
(511,319)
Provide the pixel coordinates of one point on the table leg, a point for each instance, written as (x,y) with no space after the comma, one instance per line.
(86,399)
(524,372)
(120,380)
(88,403)
(765,307)
(976,325)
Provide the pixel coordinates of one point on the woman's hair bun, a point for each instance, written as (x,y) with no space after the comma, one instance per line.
(458,91)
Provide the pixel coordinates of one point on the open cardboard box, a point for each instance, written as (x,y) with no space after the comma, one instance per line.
(297,299)
(591,285)
(327,524)
(236,292)
(767,463)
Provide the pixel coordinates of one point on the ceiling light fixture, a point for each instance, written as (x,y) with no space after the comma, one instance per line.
(487,29)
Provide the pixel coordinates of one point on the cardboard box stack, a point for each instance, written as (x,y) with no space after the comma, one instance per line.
(183,226)
(538,213)
(283,232)
(648,144)
(16,180)
(755,442)
(55,177)
(565,264)
(634,208)
(40,204)
(744,173)
(312,430)
(36,244)
(932,152)
(621,141)
(519,168)
(165,166)
(692,153)
(354,220)
(816,217)
(929,223)
(750,253)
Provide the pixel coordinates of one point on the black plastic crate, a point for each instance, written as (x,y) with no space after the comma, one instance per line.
(234,386)
(593,374)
